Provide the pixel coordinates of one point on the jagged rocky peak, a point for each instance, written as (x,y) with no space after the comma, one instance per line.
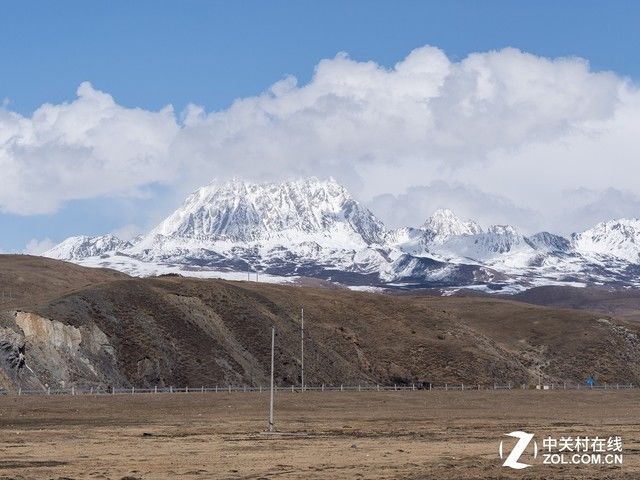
(549,242)
(76,248)
(444,224)
(240,211)
(506,230)
(503,239)
(618,238)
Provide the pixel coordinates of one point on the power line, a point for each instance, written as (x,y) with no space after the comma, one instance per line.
(302,349)
(273,341)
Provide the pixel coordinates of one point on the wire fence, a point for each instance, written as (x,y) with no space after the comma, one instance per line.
(311,388)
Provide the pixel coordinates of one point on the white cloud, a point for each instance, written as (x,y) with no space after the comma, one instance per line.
(413,206)
(128,232)
(520,128)
(84,149)
(37,247)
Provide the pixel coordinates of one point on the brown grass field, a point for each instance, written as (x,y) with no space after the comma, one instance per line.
(411,435)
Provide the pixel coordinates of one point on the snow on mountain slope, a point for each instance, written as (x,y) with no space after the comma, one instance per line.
(445,236)
(500,245)
(497,240)
(549,243)
(298,211)
(296,227)
(616,238)
(313,228)
(436,230)
(77,248)
(305,227)
(444,224)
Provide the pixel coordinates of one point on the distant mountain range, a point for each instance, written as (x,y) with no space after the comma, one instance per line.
(313,228)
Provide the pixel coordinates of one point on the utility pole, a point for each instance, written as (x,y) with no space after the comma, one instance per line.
(302,348)
(540,375)
(273,342)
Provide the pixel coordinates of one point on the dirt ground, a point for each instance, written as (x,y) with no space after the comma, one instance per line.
(414,435)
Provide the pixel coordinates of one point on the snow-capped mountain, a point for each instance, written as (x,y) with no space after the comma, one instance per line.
(444,224)
(80,247)
(615,238)
(296,211)
(549,243)
(313,228)
(445,235)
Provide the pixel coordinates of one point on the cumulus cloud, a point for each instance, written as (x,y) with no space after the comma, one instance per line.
(83,149)
(506,128)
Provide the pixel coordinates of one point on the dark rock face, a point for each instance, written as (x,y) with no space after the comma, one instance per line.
(12,348)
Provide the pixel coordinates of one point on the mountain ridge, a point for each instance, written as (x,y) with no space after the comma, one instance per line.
(315,228)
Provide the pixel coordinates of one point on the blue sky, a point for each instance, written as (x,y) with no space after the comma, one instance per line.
(148,54)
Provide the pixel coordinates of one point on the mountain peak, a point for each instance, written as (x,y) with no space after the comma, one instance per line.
(444,224)
(75,248)
(238,211)
(617,238)
(548,242)
(503,230)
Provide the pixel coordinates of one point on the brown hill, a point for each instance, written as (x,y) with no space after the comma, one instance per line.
(27,280)
(80,326)
(619,303)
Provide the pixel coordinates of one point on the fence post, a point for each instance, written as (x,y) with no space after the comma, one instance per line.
(340,387)
(202,389)
(91,390)
(413,386)
(446,387)
(322,389)
(395,387)
(73,390)
(462,386)
(429,386)
(170,388)
(133,390)
(229,388)
(20,391)
(48,390)
(260,388)
(155,389)
(113,390)
(216,388)
(378,387)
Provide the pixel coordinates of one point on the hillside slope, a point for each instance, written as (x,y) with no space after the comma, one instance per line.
(623,304)
(182,331)
(25,279)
